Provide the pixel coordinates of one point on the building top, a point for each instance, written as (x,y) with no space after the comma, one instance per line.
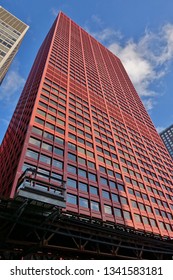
(12,21)
(12,32)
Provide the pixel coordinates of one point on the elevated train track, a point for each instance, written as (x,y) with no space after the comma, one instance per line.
(33,228)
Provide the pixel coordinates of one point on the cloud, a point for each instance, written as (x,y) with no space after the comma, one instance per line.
(54,11)
(146,59)
(101,33)
(11,86)
(160,129)
(106,35)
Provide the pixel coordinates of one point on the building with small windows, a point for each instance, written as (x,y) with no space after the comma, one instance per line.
(80,120)
(12,32)
(167,137)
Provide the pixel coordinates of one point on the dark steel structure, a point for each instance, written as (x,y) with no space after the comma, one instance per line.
(93,155)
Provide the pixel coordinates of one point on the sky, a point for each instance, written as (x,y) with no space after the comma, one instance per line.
(139,32)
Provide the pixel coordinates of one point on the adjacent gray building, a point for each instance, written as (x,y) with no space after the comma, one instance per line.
(167,137)
(12,32)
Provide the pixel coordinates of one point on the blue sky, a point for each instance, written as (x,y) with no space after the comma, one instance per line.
(139,32)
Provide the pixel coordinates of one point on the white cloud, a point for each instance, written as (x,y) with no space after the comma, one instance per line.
(102,34)
(107,34)
(11,86)
(160,129)
(146,60)
(54,11)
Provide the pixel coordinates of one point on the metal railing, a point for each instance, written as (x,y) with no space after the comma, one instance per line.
(38,186)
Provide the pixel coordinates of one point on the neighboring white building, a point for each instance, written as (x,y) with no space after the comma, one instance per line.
(12,32)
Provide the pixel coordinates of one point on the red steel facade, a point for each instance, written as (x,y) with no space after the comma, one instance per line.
(80,119)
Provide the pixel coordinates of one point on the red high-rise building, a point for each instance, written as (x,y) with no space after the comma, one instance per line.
(79,119)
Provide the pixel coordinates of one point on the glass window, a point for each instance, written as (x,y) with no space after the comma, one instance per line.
(92,177)
(58,151)
(91,164)
(59,140)
(115,198)
(38,120)
(57,163)
(131,191)
(144,196)
(168,227)
(81,160)
(89,144)
(56,176)
(72,157)
(145,220)
(32,154)
(60,130)
(169,216)
(72,136)
(134,204)
(123,200)
(47,147)
(93,190)
(45,159)
(112,184)
(82,173)
(162,225)
(48,135)
(118,212)
(49,125)
(50,117)
(148,208)
(108,162)
(153,223)
(72,127)
(105,194)
(71,146)
(34,141)
(118,175)
(108,209)
(37,130)
(81,140)
(141,206)
(72,199)
(71,169)
(90,154)
(137,218)
(127,215)
(95,206)
(128,180)
(83,202)
(102,169)
(83,187)
(103,181)
(26,165)
(120,187)
(138,194)
(134,183)
(81,150)
(157,211)
(71,183)
(153,199)
(110,172)
(100,158)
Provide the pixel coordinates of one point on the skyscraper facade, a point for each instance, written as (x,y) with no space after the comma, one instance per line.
(79,119)
(12,32)
(167,137)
